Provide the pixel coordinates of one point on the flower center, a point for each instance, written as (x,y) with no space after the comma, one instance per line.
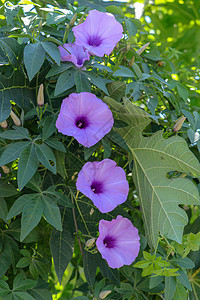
(109,242)
(94,41)
(97,187)
(82,122)
(79,61)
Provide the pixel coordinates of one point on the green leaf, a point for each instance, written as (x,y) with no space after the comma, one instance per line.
(170,287)
(39,267)
(60,163)
(183,262)
(51,212)
(46,157)
(53,51)
(56,144)
(153,158)
(23,262)
(41,294)
(5,259)
(7,189)
(17,134)
(34,56)
(124,72)
(64,83)
(3,209)
(59,197)
(18,205)
(15,88)
(20,284)
(23,296)
(183,93)
(98,81)
(55,70)
(49,127)
(116,90)
(12,152)
(62,243)
(181,293)
(131,27)
(115,10)
(107,148)
(184,279)
(27,166)
(31,215)
(12,49)
(81,82)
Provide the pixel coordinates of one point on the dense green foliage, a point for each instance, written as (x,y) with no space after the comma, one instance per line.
(147,89)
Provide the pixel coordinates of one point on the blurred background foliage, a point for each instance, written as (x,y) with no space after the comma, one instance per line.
(173,26)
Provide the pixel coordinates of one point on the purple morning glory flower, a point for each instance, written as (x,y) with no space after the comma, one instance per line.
(85,117)
(77,54)
(118,242)
(104,183)
(99,34)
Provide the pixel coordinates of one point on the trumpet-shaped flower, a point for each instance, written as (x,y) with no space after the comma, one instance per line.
(118,242)
(85,117)
(104,183)
(99,34)
(74,53)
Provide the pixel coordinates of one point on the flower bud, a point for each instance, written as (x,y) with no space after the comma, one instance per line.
(131,62)
(15,118)
(81,20)
(104,294)
(128,46)
(179,124)
(40,96)
(196,136)
(139,51)
(73,19)
(4,124)
(90,242)
(5,169)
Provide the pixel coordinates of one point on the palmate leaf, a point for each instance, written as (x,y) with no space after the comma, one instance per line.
(153,158)
(15,88)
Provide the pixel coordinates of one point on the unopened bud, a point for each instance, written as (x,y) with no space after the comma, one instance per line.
(5,169)
(40,25)
(104,294)
(128,46)
(81,20)
(73,19)
(131,62)
(90,242)
(40,96)
(179,124)
(15,118)
(139,51)
(4,124)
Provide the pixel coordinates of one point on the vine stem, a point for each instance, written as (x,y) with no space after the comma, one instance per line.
(76,226)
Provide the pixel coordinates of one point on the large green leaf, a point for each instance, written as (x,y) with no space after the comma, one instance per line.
(62,243)
(153,158)
(27,166)
(12,49)
(34,56)
(15,88)
(12,152)
(53,51)
(46,157)
(52,212)
(31,215)
(64,83)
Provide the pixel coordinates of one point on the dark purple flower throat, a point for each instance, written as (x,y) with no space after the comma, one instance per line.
(109,242)
(97,187)
(94,41)
(82,122)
